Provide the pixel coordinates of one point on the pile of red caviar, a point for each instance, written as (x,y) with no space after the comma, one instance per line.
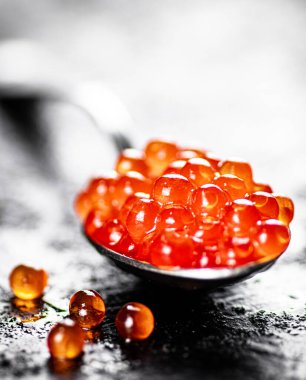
(179,207)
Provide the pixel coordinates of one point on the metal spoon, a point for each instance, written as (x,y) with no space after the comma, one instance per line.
(27,71)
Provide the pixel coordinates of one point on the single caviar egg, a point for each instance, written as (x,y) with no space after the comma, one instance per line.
(142,219)
(241,217)
(82,205)
(175,167)
(66,340)
(232,185)
(172,248)
(135,321)
(110,234)
(271,238)
(240,169)
(198,171)
(127,247)
(127,185)
(28,283)
(175,216)
(262,187)
(234,251)
(96,196)
(100,193)
(93,223)
(206,233)
(132,160)
(187,154)
(213,160)
(172,188)
(208,200)
(159,154)
(266,204)
(286,209)
(87,308)
(128,204)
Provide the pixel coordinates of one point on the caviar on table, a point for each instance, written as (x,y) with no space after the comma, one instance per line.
(180,207)
(134,321)
(28,283)
(87,308)
(66,340)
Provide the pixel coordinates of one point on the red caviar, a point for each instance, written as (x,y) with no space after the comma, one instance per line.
(132,160)
(28,283)
(66,340)
(198,171)
(185,208)
(87,308)
(135,321)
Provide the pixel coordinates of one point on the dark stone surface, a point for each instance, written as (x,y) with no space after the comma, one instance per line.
(254,330)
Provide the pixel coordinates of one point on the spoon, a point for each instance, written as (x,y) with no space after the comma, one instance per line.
(41,77)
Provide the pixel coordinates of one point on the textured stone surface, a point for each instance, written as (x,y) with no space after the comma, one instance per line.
(253,330)
(229,75)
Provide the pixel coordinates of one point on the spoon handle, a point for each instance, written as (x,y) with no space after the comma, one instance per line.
(28,71)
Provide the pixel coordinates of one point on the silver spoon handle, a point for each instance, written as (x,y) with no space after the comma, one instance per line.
(28,71)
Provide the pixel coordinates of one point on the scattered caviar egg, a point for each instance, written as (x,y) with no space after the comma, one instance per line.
(286,209)
(66,340)
(271,238)
(142,219)
(172,249)
(240,169)
(87,308)
(241,217)
(175,216)
(135,321)
(28,283)
(266,204)
(132,160)
(198,171)
(159,154)
(180,207)
(232,185)
(208,200)
(172,188)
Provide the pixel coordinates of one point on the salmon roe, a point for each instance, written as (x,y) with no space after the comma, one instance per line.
(87,308)
(135,321)
(180,207)
(66,340)
(28,283)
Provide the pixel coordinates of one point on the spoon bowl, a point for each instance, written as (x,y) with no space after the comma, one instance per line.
(188,279)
